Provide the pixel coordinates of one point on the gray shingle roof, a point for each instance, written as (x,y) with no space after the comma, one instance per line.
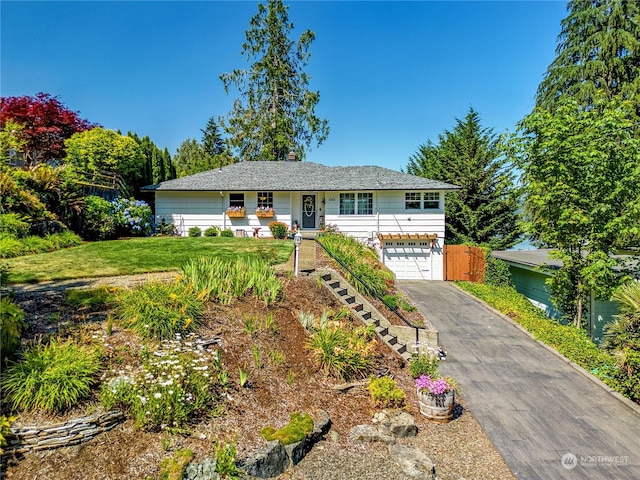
(299,176)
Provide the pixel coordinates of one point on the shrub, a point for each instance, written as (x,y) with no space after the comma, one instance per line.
(362,261)
(496,272)
(5,431)
(391,301)
(173,468)
(87,297)
(211,232)
(11,327)
(97,219)
(278,230)
(423,364)
(159,310)
(173,384)
(11,224)
(195,232)
(10,247)
(52,377)
(385,393)
(225,454)
(165,228)
(132,217)
(300,425)
(227,232)
(4,273)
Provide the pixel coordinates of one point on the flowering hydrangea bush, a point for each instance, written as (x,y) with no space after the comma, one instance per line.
(175,383)
(133,217)
(435,386)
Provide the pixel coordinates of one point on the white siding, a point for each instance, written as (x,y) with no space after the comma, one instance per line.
(206,209)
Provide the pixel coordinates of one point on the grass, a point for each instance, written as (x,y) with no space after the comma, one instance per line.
(139,255)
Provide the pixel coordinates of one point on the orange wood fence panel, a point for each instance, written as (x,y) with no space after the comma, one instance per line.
(463,263)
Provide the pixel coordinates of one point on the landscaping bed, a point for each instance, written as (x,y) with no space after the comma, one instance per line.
(281,379)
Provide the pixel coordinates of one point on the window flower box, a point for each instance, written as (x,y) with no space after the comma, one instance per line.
(264,212)
(236,212)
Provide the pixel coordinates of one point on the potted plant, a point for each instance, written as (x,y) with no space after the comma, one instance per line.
(264,212)
(436,396)
(236,212)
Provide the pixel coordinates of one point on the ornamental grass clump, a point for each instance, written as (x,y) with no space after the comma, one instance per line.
(52,377)
(159,310)
(222,280)
(175,383)
(342,351)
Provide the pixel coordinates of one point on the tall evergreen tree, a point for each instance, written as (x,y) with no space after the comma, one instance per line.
(212,141)
(484,210)
(275,113)
(598,51)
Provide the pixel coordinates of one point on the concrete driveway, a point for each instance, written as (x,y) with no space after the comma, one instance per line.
(545,416)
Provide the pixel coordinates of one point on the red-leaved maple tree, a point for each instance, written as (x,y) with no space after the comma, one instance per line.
(47,124)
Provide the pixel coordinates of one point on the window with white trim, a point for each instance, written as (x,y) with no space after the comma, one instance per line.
(365,203)
(360,203)
(412,200)
(347,203)
(236,200)
(265,199)
(431,200)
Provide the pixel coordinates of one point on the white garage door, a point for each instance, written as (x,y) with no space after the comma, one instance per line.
(409,260)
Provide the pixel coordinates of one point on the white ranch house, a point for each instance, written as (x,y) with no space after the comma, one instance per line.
(403,215)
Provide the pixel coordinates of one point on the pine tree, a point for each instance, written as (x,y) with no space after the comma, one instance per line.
(598,51)
(275,113)
(212,141)
(484,210)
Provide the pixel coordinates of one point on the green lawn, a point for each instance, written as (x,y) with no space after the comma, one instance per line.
(138,255)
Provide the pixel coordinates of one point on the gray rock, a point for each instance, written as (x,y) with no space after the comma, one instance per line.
(413,461)
(205,470)
(396,423)
(369,433)
(269,462)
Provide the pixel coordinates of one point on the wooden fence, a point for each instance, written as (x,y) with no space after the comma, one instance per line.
(462,262)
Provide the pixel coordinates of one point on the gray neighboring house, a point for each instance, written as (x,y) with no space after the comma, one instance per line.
(401,214)
(529,277)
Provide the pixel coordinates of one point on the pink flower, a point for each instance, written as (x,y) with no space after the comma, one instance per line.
(436,386)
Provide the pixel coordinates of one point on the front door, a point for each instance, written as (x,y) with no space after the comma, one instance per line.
(309,211)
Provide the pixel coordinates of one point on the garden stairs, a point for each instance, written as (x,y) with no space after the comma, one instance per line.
(398,338)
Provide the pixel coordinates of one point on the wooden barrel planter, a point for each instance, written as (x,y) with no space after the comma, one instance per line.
(437,408)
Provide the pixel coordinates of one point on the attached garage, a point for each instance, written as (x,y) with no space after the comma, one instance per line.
(409,256)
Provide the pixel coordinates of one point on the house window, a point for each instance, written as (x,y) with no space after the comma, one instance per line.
(347,203)
(412,200)
(265,199)
(431,200)
(365,203)
(236,199)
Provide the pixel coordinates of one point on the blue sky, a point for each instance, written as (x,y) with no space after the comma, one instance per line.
(391,75)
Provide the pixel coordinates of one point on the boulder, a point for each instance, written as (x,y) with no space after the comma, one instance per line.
(413,461)
(396,423)
(205,470)
(269,462)
(369,433)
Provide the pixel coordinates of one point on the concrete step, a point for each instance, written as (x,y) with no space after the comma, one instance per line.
(382,331)
(390,339)
(334,285)
(343,292)
(357,307)
(350,300)
(326,277)
(365,315)
(399,347)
